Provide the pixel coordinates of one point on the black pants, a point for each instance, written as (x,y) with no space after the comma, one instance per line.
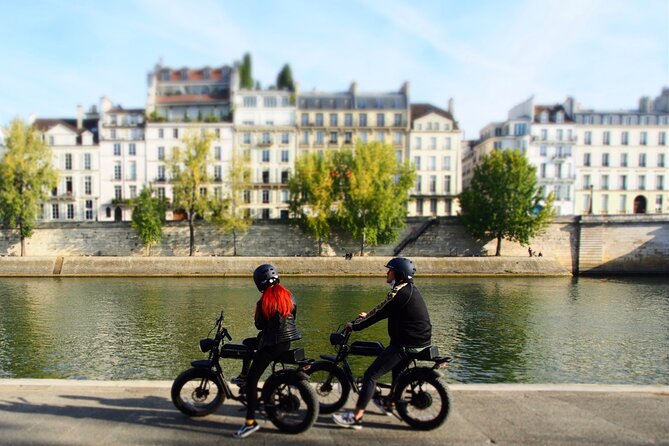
(392,358)
(261,359)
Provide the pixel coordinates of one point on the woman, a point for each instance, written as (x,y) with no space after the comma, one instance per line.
(275,317)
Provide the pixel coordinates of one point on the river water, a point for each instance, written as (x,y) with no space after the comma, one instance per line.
(514,330)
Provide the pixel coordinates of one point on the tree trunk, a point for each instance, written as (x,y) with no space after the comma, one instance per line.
(23,246)
(498,252)
(234,242)
(362,243)
(320,246)
(191,227)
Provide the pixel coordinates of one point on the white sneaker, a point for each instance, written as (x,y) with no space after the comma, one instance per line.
(347,419)
(246,430)
(380,405)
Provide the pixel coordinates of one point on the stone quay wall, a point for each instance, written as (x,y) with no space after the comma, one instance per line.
(584,244)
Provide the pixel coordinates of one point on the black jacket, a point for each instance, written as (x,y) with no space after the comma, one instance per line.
(408,320)
(276,329)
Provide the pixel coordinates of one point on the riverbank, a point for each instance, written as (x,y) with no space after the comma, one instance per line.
(296,266)
(49,412)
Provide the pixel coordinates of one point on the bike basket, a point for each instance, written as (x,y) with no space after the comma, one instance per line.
(428,353)
(291,356)
(235,351)
(366,348)
(337,338)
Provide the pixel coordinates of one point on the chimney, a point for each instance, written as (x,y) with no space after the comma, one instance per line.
(406,88)
(451,107)
(644,105)
(80,117)
(354,88)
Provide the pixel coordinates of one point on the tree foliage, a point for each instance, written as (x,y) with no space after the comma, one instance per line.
(148,217)
(229,212)
(285,79)
(189,177)
(503,200)
(26,176)
(246,72)
(374,190)
(312,194)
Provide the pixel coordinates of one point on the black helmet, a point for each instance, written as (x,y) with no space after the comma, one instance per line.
(403,267)
(265,275)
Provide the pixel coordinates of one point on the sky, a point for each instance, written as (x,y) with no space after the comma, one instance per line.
(486,55)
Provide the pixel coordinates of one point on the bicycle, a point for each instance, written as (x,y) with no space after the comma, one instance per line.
(287,398)
(419,394)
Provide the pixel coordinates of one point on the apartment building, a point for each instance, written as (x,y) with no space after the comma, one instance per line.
(622,159)
(435,151)
(75,147)
(264,134)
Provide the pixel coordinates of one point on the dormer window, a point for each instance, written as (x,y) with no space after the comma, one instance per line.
(543,117)
(184,74)
(165,75)
(206,74)
(559,117)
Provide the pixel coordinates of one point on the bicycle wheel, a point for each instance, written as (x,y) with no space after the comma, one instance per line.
(330,384)
(290,404)
(422,400)
(196,392)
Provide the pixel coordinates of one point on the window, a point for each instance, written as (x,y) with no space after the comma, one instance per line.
(605,159)
(586,181)
(285,197)
(447,143)
(217,153)
(218,173)
(161,133)
(363,119)
(118,192)
(380,136)
(265,176)
(543,151)
(319,137)
(397,138)
(285,175)
(544,134)
(87,161)
(249,101)
(606,138)
(175,133)
(419,206)
(117,171)
(586,159)
(447,184)
(285,138)
(265,214)
(642,182)
(398,119)
(348,137)
(247,196)
(642,160)
(319,119)
(285,156)
(133,191)
(333,119)
(265,156)
(660,160)
(605,182)
(89,210)
(542,170)
(543,117)
(623,204)
(305,119)
(161,193)
(265,196)
(662,138)
(419,142)
(659,182)
(305,137)
(559,117)
(419,181)
(161,173)
(112,134)
(266,138)
(623,182)
(643,138)
(624,138)
(623,160)
(658,203)
(380,119)
(68,161)
(588,138)
(55,212)
(333,137)
(559,135)
(132,171)
(433,183)
(433,206)
(270,101)
(246,139)
(364,136)
(117,149)
(348,120)
(432,163)
(416,162)
(132,149)
(446,163)
(88,185)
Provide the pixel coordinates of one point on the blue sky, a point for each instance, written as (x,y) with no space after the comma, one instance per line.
(487,55)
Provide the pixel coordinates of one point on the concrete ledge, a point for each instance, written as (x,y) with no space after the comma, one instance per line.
(244,266)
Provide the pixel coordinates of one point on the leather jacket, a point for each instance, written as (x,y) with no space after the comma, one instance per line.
(277,329)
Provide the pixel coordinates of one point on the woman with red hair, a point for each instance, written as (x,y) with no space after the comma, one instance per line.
(275,318)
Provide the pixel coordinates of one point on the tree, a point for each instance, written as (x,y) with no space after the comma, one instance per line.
(285,79)
(148,217)
(374,189)
(26,176)
(312,192)
(504,201)
(230,213)
(246,72)
(189,177)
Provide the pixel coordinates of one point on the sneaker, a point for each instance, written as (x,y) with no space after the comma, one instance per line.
(348,420)
(381,406)
(239,381)
(246,430)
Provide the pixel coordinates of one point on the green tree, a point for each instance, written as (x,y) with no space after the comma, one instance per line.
(374,189)
(189,176)
(148,217)
(285,79)
(312,192)
(246,72)
(230,212)
(503,200)
(26,176)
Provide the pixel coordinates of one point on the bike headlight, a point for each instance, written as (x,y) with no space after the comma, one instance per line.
(206,345)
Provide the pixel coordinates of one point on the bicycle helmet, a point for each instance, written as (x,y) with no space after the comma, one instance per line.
(264,276)
(403,267)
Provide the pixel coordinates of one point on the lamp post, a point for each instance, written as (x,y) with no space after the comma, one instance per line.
(591,200)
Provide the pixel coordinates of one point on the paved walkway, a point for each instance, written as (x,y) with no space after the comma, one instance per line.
(55,412)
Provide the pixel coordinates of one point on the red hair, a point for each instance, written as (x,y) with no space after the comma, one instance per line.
(276,298)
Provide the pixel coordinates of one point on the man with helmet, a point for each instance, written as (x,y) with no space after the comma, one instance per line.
(409,329)
(275,318)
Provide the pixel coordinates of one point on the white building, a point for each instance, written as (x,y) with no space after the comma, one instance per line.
(435,151)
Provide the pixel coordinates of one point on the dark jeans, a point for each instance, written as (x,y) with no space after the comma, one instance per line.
(392,358)
(261,359)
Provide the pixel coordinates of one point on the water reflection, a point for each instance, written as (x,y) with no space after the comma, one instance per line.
(497,329)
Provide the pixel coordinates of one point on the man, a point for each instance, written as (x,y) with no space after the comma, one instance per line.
(409,329)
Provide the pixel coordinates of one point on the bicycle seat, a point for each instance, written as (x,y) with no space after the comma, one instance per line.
(291,356)
(427,354)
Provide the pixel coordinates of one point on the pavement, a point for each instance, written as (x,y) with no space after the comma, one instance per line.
(65,412)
